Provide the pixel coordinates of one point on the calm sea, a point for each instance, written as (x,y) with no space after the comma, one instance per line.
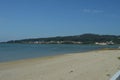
(12,52)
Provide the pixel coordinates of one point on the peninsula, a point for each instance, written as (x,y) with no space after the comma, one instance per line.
(77,39)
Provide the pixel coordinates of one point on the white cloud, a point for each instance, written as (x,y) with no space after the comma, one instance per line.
(86,10)
(92,11)
(98,11)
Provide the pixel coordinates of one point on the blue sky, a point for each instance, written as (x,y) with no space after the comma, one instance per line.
(20,19)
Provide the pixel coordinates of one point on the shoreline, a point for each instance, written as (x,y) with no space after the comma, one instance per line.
(57,55)
(42,57)
(64,67)
(16,54)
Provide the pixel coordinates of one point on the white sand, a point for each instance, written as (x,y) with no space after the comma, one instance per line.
(95,65)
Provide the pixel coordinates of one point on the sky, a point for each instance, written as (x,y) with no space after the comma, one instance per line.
(21,19)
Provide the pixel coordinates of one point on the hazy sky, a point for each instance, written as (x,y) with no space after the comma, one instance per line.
(21,19)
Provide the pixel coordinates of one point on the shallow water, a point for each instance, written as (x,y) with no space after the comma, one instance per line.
(11,52)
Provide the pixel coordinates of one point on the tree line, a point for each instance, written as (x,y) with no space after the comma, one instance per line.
(84,38)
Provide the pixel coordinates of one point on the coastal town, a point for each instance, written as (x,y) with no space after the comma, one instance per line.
(78,39)
(69,42)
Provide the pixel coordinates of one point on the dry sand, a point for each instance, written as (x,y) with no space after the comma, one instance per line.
(94,65)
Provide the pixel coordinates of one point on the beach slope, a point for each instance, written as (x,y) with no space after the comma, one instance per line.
(94,65)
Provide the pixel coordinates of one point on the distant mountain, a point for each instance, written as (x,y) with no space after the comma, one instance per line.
(77,39)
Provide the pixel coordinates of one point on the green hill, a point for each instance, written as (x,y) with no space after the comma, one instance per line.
(81,39)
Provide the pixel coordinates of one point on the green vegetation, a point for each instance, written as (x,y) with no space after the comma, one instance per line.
(81,39)
(119,58)
(108,75)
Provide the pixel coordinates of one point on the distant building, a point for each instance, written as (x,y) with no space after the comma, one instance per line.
(101,43)
(105,43)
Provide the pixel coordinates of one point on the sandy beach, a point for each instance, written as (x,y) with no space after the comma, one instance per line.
(94,65)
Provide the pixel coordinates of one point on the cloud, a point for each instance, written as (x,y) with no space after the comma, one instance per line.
(92,11)
(98,11)
(86,10)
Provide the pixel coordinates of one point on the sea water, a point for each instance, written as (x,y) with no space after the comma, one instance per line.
(12,52)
